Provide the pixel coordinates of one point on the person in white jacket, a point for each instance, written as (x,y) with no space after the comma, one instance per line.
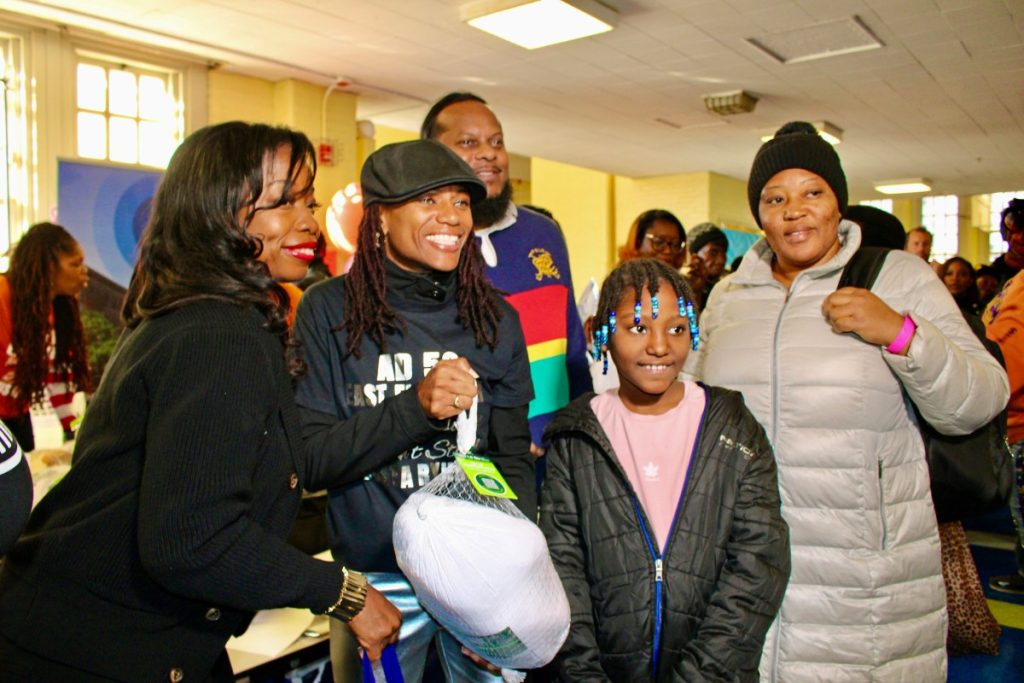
(828,374)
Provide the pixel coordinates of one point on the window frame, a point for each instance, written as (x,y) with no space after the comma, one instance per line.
(174,79)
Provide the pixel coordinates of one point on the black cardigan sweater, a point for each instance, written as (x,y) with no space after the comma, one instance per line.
(168,532)
(725,565)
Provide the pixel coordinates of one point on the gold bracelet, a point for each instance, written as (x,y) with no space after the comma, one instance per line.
(352,597)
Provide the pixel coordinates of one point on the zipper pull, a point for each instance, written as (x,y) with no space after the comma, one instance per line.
(657,570)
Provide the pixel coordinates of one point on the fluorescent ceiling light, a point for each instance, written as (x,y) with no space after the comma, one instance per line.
(831,133)
(903,186)
(539,23)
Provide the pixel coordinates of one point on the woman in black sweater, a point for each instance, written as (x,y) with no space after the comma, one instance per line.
(168,532)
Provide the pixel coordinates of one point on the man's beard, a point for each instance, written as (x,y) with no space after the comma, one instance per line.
(490,210)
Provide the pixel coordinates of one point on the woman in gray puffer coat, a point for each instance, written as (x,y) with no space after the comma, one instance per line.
(828,374)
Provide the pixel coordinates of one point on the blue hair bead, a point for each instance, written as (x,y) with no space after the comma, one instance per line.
(611,321)
(604,366)
(654,306)
(636,312)
(694,332)
(681,302)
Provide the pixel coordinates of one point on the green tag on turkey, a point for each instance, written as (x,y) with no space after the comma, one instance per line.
(485,477)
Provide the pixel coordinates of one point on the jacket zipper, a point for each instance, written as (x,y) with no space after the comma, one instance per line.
(881,506)
(658,580)
(773,439)
(659,564)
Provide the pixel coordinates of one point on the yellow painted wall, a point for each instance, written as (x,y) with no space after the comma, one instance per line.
(728,205)
(581,200)
(240,98)
(684,194)
(386,135)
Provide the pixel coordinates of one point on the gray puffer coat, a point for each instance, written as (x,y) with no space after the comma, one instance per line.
(866,600)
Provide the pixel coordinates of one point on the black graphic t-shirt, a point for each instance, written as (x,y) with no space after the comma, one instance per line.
(360,516)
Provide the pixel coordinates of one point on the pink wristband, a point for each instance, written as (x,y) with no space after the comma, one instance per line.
(902,340)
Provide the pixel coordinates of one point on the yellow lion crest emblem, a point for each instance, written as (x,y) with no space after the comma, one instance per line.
(544,264)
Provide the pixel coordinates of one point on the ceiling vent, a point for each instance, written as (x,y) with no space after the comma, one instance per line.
(830,39)
(728,103)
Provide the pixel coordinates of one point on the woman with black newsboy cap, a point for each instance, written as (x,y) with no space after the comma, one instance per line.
(826,372)
(415,297)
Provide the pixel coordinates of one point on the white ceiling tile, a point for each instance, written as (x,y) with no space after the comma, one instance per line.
(946,84)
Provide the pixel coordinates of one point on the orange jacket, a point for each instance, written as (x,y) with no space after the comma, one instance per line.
(1004,320)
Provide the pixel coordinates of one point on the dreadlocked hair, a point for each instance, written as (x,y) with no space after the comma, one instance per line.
(195,247)
(33,266)
(636,275)
(367,311)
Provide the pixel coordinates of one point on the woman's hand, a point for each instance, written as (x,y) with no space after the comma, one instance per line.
(857,310)
(376,626)
(448,389)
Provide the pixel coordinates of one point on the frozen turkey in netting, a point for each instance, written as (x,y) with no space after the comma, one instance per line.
(482,570)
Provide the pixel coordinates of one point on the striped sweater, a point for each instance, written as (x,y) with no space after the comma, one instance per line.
(59,393)
(528,261)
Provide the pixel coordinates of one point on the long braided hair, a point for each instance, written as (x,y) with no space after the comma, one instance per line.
(195,247)
(33,265)
(636,275)
(367,311)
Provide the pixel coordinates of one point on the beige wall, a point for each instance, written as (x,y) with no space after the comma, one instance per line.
(581,200)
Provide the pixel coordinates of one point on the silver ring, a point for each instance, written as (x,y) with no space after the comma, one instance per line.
(457,402)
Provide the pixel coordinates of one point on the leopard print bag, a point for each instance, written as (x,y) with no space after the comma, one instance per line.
(972,627)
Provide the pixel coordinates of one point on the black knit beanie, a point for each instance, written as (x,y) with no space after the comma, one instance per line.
(796,145)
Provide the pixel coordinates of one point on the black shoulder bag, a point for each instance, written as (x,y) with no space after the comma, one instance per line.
(971,474)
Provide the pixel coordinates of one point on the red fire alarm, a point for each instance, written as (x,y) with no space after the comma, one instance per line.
(325,153)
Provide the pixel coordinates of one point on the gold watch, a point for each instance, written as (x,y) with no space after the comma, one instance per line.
(352,597)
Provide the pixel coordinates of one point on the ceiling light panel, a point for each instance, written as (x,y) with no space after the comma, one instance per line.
(903,186)
(817,41)
(539,23)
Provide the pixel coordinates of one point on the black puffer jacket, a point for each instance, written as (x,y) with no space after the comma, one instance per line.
(724,569)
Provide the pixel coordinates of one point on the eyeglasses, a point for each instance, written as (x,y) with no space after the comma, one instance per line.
(662,244)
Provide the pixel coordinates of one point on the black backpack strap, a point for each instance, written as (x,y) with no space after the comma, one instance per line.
(863,267)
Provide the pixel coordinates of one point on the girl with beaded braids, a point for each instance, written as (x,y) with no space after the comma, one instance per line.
(40,329)
(415,299)
(661,505)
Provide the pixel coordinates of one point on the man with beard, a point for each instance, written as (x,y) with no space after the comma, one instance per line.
(526,258)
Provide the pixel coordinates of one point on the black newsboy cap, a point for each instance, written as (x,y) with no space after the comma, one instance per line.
(405,170)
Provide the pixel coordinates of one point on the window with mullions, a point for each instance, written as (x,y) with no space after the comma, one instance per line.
(129,114)
(997,202)
(940,215)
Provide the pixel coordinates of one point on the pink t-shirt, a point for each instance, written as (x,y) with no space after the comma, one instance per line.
(654,451)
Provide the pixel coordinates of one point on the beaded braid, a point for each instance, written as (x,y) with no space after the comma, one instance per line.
(367,311)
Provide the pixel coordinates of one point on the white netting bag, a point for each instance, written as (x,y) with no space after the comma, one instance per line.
(482,570)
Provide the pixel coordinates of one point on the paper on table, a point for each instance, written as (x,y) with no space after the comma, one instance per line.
(273,630)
